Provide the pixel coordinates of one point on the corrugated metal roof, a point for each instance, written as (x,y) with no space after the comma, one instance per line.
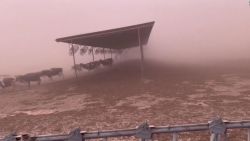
(125,37)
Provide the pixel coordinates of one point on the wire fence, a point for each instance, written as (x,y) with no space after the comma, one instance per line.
(144,132)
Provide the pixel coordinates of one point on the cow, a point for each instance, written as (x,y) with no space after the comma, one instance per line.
(29,77)
(1,84)
(46,73)
(107,62)
(57,71)
(85,66)
(91,65)
(7,82)
(77,67)
(52,72)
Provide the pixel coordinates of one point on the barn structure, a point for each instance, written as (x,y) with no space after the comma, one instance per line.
(118,38)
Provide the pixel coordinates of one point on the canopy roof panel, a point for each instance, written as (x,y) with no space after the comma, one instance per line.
(119,38)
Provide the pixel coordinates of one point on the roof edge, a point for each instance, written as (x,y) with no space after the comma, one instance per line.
(99,33)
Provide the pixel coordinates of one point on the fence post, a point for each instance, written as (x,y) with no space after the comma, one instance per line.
(10,137)
(144,132)
(248,134)
(214,137)
(218,130)
(175,137)
(75,135)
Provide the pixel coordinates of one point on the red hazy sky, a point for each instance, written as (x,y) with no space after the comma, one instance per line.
(184,30)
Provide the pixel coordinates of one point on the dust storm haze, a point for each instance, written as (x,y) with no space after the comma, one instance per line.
(184,31)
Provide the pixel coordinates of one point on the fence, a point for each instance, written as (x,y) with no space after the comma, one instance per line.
(217,127)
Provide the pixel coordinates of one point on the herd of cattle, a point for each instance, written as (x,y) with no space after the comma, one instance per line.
(93,65)
(31,77)
(50,73)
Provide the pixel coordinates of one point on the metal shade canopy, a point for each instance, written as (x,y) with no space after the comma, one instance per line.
(119,38)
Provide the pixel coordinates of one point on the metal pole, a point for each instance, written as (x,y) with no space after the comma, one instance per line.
(142,55)
(93,54)
(105,139)
(104,53)
(74,60)
(175,137)
(214,137)
(218,137)
(248,134)
(111,52)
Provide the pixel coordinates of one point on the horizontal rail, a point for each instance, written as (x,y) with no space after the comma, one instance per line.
(135,131)
(163,129)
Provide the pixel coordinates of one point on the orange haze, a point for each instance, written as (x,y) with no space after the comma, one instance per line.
(185,30)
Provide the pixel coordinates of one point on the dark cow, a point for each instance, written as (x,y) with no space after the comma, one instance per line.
(86,66)
(91,65)
(57,71)
(107,62)
(28,78)
(46,73)
(1,84)
(52,72)
(7,82)
(77,67)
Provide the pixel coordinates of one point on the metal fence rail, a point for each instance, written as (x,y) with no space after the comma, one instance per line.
(217,127)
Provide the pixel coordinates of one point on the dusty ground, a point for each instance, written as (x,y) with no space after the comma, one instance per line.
(117,98)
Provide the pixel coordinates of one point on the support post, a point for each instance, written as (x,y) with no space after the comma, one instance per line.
(142,53)
(93,54)
(111,52)
(248,134)
(75,135)
(214,137)
(104,53)
(175,137)
(74,60)
(144,132)
(105,139)
(218,130)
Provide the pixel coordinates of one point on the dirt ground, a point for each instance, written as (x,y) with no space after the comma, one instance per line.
(116,98)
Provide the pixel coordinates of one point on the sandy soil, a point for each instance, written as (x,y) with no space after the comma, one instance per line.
(117,98)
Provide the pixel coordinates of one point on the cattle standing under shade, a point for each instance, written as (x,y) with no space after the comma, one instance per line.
(107,62)
(77,67)
(91,65)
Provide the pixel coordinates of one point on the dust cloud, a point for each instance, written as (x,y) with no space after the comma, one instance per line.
(201,31)
(185,31)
